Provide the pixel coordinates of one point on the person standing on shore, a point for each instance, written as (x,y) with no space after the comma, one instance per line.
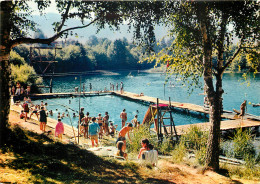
(243,109)
(93,131)
(59,129)
(43,119)
(100,123)
(123,116)
(26,110)
(122,134)
(105,119)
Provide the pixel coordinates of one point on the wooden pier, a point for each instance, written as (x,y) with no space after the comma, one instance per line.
(224,125)
(69,94)
(232,122)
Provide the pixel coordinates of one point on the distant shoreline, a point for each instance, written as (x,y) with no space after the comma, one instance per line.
(114,72)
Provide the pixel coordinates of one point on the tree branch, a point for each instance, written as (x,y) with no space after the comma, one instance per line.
(233,57)
(64,16)
(48,40)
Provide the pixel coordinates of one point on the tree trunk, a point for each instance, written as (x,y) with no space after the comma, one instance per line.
(212,155)
(5,69)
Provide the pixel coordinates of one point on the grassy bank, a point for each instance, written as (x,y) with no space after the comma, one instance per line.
(32,158)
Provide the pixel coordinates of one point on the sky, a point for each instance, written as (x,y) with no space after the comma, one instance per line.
(53,15)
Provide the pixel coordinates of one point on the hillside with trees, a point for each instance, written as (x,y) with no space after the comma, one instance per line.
(95,54)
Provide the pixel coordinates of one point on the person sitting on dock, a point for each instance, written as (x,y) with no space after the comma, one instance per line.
(122,134)
(243,109)
(141,94)
(123,116)
(120,152)
(93,131)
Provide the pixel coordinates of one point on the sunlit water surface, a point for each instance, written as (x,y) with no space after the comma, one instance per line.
(150,85)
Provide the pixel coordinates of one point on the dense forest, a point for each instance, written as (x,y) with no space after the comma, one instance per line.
(95,54)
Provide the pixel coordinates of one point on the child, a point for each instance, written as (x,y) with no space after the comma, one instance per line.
(22,115)
(120,145)
(59,129)
(112,129)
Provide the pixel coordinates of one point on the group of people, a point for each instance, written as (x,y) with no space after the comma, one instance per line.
(112,88)
(94,128)
(19,91)
(104,125)
(38,110)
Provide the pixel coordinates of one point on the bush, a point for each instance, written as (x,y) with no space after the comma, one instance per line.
(24,74)
(243,144)
(194,139)
(16,59)
(179,152)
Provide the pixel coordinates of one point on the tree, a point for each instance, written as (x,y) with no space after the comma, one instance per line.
(202,29)
(15,26)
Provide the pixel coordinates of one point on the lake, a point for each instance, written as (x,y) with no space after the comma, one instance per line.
(151,84)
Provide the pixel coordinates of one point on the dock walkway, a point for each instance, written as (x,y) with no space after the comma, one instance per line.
(233,120)
(183,106)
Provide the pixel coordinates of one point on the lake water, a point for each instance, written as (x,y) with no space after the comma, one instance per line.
(150,85)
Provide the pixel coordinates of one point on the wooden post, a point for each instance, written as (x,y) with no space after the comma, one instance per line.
(51,85)
(170,115)
(79,107)
(158,121)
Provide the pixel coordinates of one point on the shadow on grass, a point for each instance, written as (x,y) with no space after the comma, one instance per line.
(49,161)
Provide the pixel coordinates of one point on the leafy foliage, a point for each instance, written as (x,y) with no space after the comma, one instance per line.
(24,74)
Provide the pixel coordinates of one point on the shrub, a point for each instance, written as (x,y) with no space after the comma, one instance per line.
(16,59)
(179,152)
(24,74)
(194,139)
(243,144)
